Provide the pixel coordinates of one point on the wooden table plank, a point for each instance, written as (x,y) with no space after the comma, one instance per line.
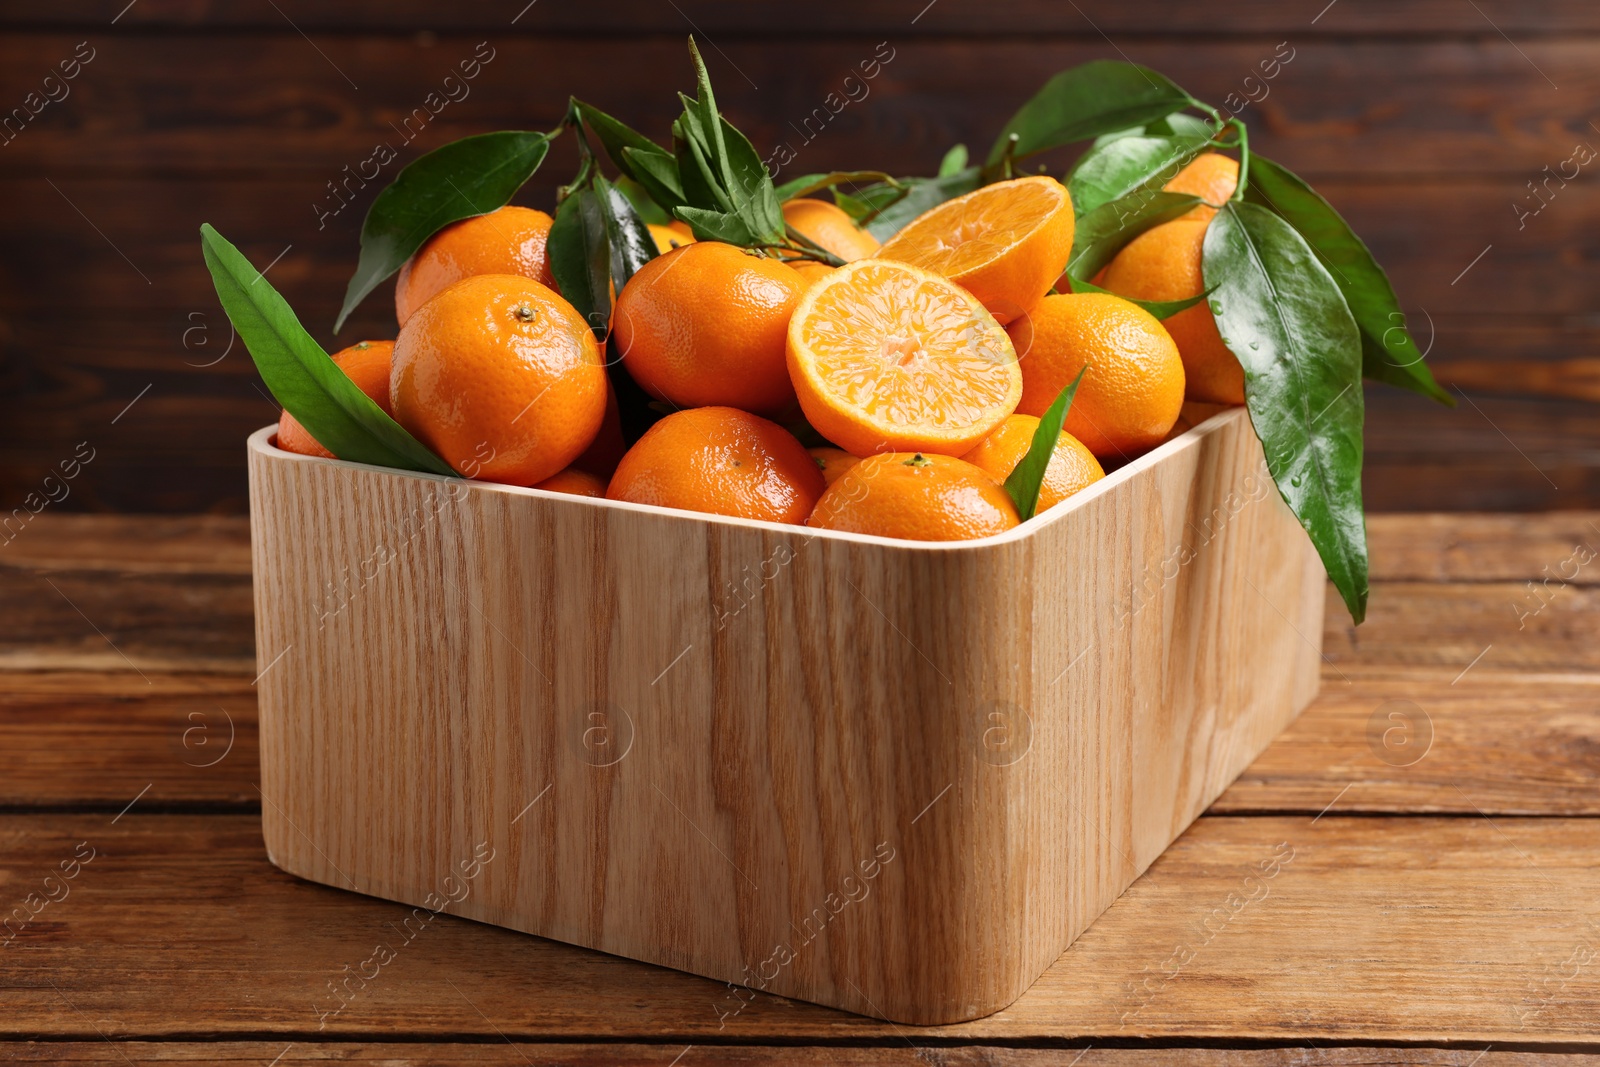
(1279,929)
(1476,547)
(521,1054)
(88,739)
(176,594)
(1500,742)
(1514,734)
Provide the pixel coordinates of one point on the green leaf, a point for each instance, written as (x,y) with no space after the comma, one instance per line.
(864,204)
(1161,309)
(717,226)
(1179,124)
(1388,352)
(1103,232)
(954,160)
(629,243)
(302,377)
(807,184)
(1086,101)
(923,194)
(696,175)
(657,170)
(615,136)
(1028,475)
(1281,313)
(854,206)
(644,205)
(580,257)
(752,193)
(704,107)
(472,176)
(1127,164)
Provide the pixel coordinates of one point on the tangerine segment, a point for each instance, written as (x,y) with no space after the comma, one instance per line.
(1006,243)
(886,357)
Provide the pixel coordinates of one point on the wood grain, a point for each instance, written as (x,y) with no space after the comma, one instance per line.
(227,105)
(1413,930)
(905,17)
(1502,743)
(784,715)
(76,739)
(93,738)
(519,1054)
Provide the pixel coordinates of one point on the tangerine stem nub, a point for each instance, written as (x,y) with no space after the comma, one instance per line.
(526,313)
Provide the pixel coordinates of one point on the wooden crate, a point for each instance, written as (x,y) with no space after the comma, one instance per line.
(895,778)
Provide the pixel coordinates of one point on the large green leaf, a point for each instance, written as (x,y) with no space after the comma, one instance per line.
(923,194)
(472,176)
(1388,352)
(580,257)
(1281,313)
(1027,477)
(1086,101)
(697,172)
(657,170)
(1102,233)
(615,136)
(629,242)
(711,225)
(720,170)
(597,243)
(1127,164)
(302,377)
(644,205)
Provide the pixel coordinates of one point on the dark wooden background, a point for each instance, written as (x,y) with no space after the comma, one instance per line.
(1422,121)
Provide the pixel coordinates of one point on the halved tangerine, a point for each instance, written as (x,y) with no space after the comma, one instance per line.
(1006,243)
(887,357)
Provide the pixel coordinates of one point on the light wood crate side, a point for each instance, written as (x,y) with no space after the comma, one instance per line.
(771,719)
(760,754)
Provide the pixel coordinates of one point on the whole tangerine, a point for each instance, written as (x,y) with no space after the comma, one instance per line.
(501,378)
(915,497)
(721,461)
(705,326)
(509,240)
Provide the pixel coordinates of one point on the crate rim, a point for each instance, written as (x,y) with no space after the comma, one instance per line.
(261,442)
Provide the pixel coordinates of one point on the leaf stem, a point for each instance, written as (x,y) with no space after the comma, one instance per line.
(1244,158)
(807,248)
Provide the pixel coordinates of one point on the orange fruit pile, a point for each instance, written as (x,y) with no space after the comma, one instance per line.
(1163,263)
(916,371)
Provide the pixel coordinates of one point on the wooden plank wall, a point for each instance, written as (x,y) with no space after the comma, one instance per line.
(1423,121)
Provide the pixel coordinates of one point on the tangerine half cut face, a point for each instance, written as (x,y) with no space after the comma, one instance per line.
(1006,243)
(886,357)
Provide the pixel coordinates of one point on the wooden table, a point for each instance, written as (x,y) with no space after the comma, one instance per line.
(1433,815)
